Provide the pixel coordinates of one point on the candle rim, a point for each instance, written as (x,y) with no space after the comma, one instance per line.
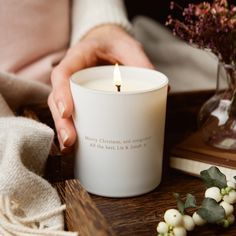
(73,79)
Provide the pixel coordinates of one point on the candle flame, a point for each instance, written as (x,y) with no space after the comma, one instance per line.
(117,76)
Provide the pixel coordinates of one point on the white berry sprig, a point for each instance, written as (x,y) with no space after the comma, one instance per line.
(177,222)
(220,195)
(216,208)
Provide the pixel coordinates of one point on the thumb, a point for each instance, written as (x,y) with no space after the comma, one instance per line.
(72,62)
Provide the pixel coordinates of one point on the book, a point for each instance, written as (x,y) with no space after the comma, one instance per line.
(193,155)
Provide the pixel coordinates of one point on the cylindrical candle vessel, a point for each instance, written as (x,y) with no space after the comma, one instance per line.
(120,134)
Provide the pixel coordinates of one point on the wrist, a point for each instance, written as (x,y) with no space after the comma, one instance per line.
(104,30)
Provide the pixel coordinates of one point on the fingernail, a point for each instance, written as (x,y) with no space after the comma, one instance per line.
(63,149)
(66,150)
(61,108)
(64,136)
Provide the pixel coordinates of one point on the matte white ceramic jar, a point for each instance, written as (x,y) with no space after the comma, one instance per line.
(120,134)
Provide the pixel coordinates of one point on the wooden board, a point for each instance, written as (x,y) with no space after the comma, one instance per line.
(92,215)
(82,215)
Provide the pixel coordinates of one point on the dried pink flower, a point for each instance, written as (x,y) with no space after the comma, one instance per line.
(208,25)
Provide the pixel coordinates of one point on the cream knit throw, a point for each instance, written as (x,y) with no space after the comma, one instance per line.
(29,205)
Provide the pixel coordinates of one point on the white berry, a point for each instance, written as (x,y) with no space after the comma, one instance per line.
(162,227)
(213,193)
(231,219)
(198,220)
(231,184)
(229,209)
(231,197)
(188,222)
(173,217)
(179,231)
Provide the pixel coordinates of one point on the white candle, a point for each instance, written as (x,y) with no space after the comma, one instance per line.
(128,85)
(133,80)
(120,134)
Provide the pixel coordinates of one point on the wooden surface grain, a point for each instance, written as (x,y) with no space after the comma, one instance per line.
(82,214)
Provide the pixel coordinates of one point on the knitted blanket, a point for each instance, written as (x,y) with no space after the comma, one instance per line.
(29,205)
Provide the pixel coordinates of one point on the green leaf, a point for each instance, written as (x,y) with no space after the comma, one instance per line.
(211,211)
(213,177)
(190,201)
(180,203)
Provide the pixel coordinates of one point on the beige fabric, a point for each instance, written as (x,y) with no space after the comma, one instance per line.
(4,108)
(35,35)
(17,91)
(24,148)
(13,221)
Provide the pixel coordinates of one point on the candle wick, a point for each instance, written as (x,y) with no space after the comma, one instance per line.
(118,88)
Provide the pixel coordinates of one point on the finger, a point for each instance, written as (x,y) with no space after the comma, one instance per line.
(64,126)
(65,150)
(76,59)
(61,92)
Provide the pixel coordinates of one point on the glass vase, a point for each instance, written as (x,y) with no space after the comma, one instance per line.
(217,116)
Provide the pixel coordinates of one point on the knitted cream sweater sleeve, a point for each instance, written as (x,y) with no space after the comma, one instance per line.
(87,14)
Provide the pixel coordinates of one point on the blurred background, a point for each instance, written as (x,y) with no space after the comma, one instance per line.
(188,68)
(156,9)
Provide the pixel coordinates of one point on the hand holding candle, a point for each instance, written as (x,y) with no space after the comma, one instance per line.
(104,44)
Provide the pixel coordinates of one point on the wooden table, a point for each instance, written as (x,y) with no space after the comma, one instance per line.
(94,215)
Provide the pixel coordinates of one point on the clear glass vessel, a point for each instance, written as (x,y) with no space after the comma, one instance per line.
(217,116)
